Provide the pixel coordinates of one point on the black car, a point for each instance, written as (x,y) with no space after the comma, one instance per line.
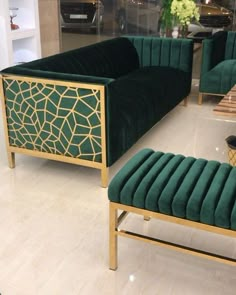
(82,14)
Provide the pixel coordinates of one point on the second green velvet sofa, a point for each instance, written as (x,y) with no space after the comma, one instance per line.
(90,105)
(218,69)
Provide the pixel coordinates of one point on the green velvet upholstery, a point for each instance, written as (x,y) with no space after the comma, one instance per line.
(185,187)
(218,63)
(144,78)
(139,102)
(102,59)
(164,52)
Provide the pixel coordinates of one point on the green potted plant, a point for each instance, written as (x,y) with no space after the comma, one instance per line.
(166,18)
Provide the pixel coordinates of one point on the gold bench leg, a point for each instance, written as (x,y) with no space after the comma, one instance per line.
(113,238)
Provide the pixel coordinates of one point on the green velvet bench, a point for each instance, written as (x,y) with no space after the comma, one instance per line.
(183,190)
(88,106)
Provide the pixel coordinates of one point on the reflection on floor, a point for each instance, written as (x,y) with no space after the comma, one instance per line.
(54,222)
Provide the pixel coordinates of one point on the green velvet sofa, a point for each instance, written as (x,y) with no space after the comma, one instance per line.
(218,69)
(88,106)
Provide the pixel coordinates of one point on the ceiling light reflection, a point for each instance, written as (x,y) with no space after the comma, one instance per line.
(132,278)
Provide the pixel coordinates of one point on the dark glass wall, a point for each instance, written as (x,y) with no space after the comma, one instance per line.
(85,23)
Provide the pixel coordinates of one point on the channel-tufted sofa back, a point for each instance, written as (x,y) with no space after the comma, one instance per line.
(109,59)
(165,52)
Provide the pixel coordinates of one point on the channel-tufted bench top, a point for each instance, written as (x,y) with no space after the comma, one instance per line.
(185,187)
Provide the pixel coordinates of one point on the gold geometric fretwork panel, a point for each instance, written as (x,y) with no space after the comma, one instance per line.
(63,119)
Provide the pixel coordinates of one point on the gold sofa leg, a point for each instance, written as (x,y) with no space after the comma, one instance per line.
(146,218)
(186,101)
(11,159)
(104,177)
(200,95)
(113,238)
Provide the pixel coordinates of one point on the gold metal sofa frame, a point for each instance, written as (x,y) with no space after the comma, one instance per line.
(74,88)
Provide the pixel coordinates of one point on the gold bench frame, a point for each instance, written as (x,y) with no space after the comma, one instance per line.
(114,231)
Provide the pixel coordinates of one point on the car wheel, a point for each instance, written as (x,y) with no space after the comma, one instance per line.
(122,21)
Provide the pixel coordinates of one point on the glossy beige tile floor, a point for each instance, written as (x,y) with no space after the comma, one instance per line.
(54,222)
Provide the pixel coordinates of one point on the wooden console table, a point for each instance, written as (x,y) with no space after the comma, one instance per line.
(227,106)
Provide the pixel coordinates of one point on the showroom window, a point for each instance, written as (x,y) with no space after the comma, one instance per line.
(87,22)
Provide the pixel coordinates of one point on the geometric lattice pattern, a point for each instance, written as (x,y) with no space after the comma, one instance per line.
(59,119)
(232,157)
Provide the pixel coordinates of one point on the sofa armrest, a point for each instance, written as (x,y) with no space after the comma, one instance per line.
(230,48)
(26,72)
(55,119)
(213,51)
(156,51)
